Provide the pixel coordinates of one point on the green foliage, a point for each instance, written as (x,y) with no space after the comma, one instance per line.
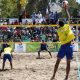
(8,8)
(41,5)
(11,8)
(36,5)
(72,3)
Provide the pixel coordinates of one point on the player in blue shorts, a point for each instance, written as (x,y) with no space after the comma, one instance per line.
(43,47)
(7,55)
(65,36)
(66,49)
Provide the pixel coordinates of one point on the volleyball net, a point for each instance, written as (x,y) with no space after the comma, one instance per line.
(34,34)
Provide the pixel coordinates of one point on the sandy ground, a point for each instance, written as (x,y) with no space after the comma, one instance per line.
(27,67)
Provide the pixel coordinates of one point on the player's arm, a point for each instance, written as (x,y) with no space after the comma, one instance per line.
(65,4)
(68,14)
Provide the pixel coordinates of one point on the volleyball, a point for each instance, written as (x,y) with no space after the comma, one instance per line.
(65,4)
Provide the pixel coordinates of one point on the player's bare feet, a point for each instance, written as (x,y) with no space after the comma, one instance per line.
(52,78)
(38,58)
(66,78)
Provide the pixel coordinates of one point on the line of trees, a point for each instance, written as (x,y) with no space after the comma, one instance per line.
(11,8)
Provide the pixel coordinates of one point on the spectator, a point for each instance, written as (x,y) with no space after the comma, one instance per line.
(40,17)
(33,16)
(51,17)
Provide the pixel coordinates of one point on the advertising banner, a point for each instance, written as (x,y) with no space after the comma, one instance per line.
(20,48)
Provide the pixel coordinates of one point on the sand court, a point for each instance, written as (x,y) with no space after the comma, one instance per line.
(27,67)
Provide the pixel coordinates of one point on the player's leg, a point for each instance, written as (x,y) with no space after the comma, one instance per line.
(11,65)
(69,56)
(49,53)
(67,69)
(3,65)
(4,60)
(55,68)
(10,60)
(60,55)
(68,15)
(39,54)
(1,52)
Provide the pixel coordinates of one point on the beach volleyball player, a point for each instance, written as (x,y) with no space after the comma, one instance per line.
(65,36)
(7,55)
(43,47)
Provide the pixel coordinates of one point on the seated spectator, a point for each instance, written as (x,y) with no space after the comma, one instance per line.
(17,33)
(16,22)
(33,16)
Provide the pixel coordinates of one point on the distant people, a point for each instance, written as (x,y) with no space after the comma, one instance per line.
(40,17)
(47,19)
(33,16)
(55,37)
(17,33)
(51,18)
(20,19)
(7,55)
(16,22)
(43,47)
(56,16)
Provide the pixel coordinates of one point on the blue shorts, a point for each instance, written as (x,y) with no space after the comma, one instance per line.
(43,49)
(66,50)
(7,56)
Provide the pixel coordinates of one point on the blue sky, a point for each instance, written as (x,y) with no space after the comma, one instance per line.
(78,1)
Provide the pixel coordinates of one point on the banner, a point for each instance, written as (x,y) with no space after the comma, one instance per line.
(20,48)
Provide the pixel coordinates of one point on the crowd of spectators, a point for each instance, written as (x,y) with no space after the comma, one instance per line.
(50,18)
(35,18)
(34,34)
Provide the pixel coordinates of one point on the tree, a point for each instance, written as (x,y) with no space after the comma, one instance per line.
(36,5)
(12,8)
(9,8)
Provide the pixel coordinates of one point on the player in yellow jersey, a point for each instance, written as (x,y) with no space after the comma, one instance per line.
(7,55)
(65,36)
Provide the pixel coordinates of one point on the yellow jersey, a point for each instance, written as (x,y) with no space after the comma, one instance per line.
(65,34)
(7,50)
